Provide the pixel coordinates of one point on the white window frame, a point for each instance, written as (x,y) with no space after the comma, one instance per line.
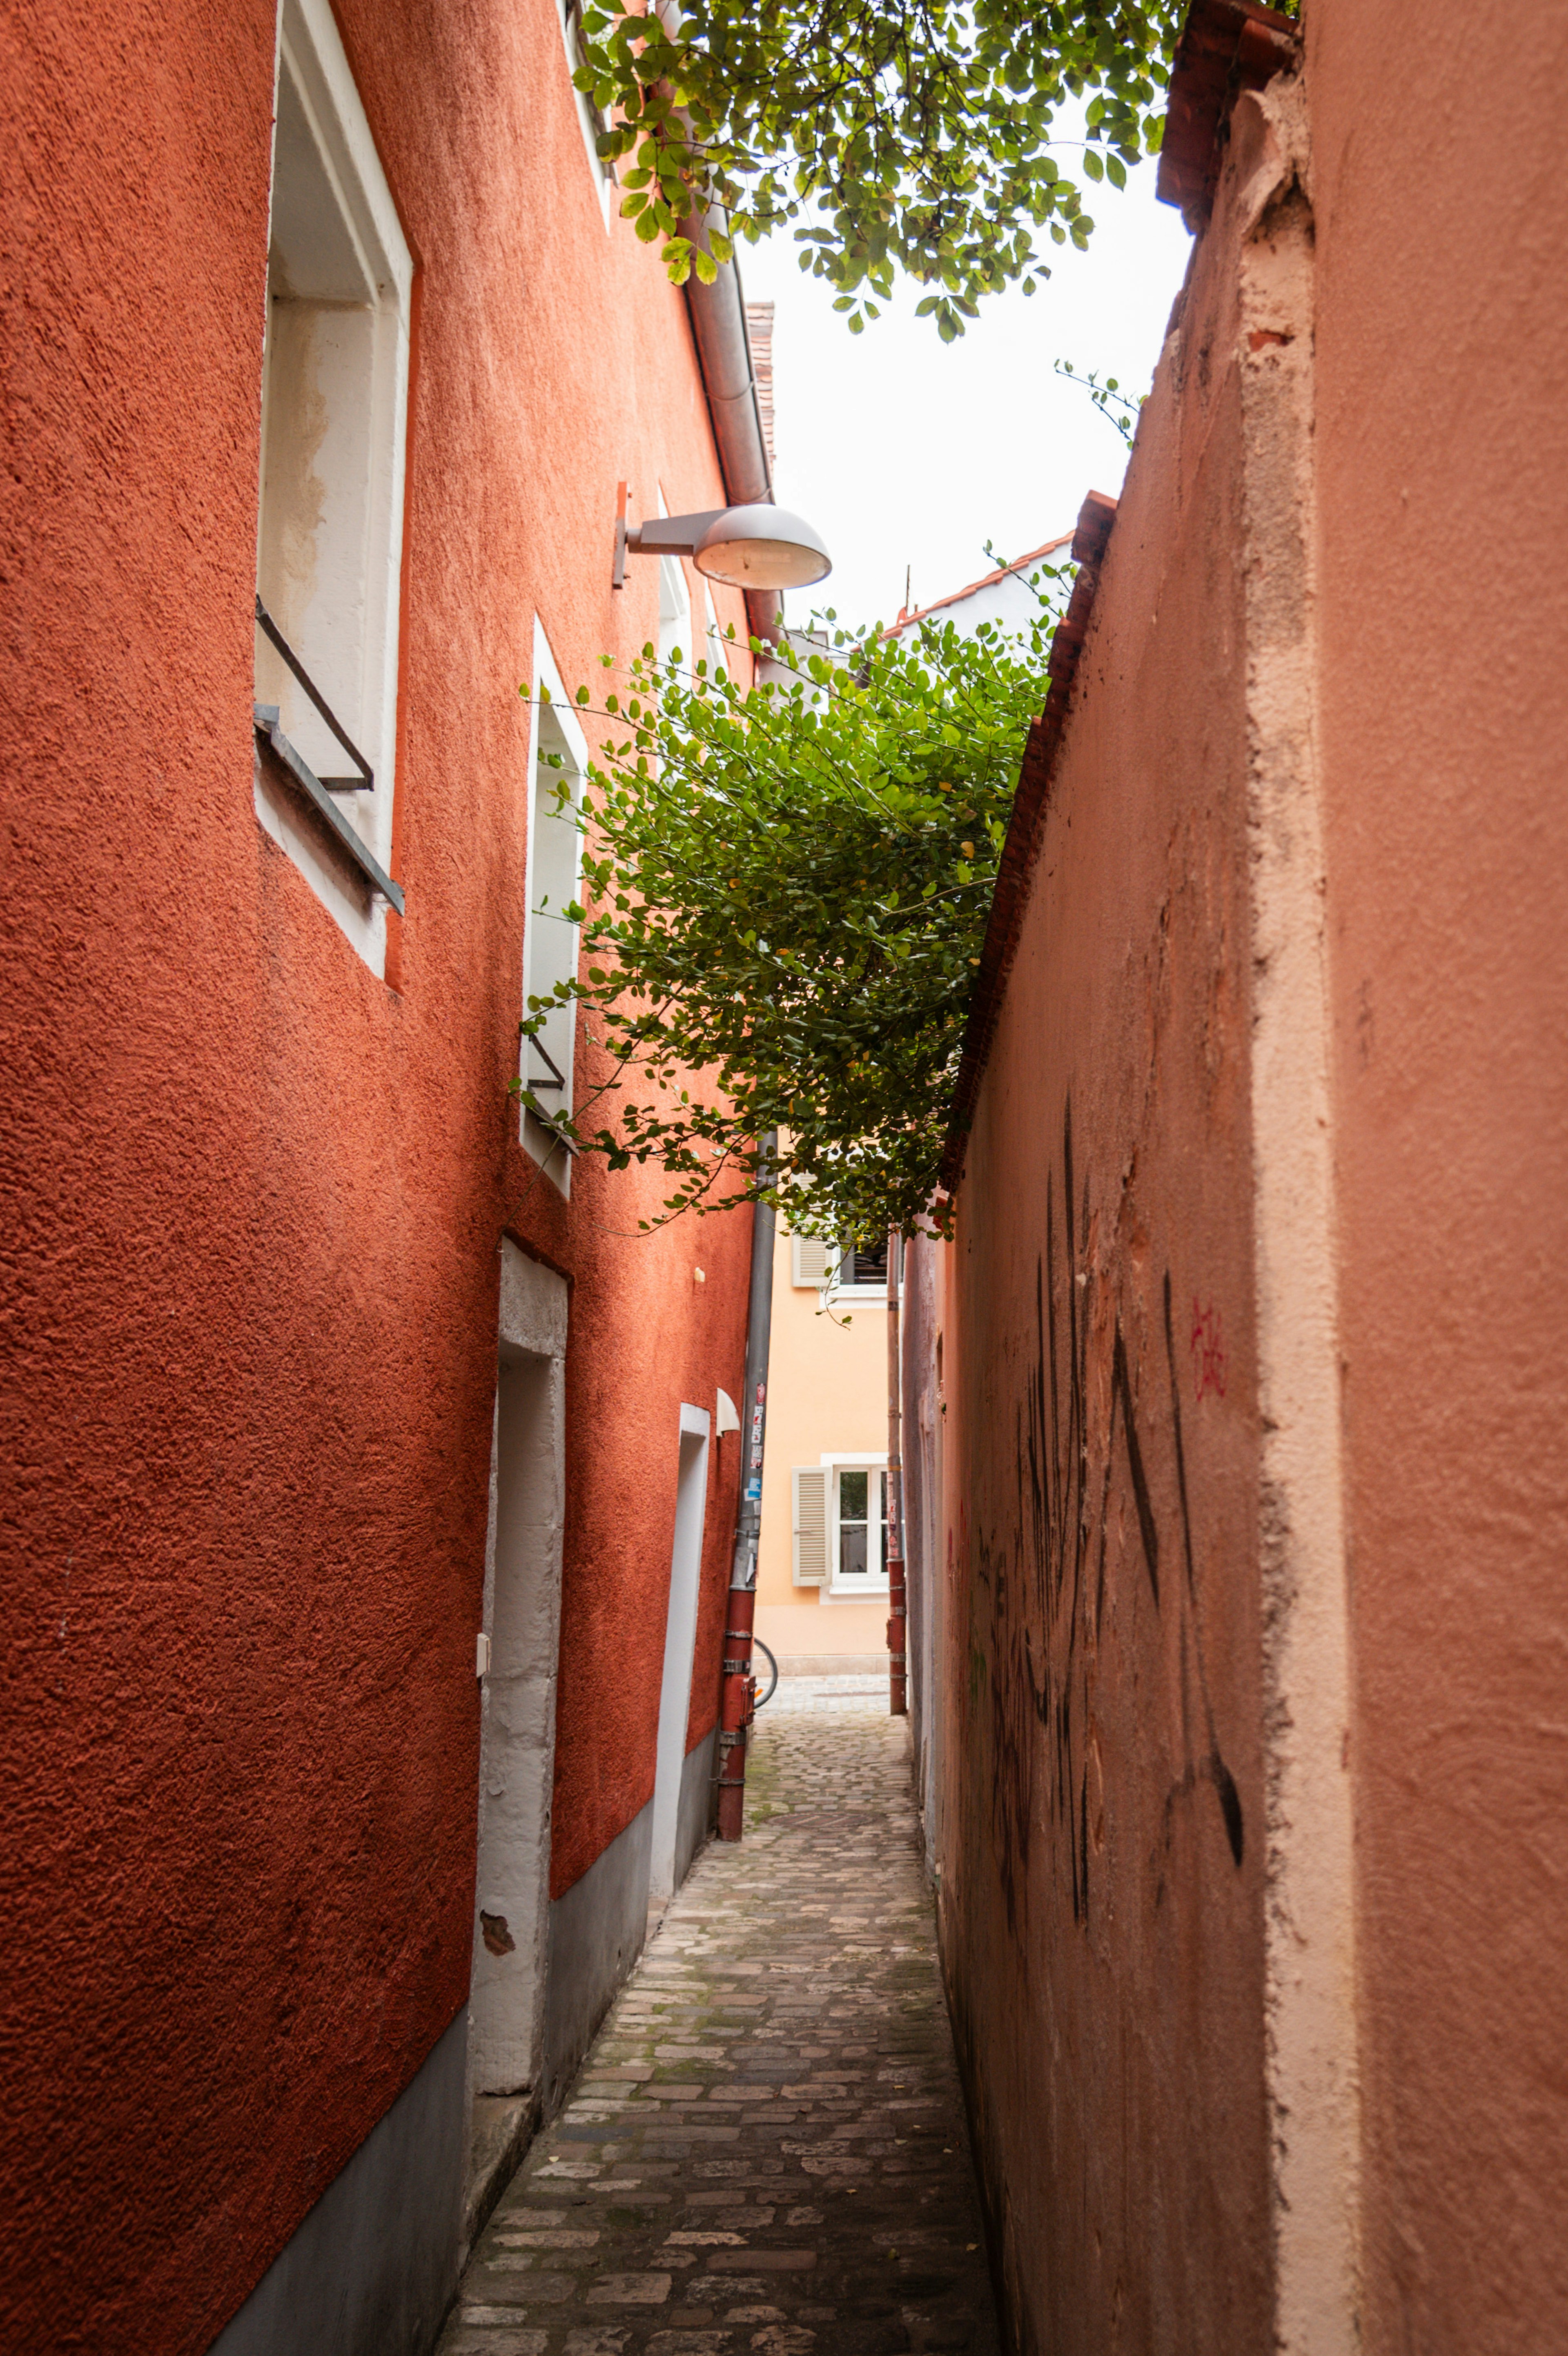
(588,121)
(803,1276)
(552,1154)
(716,651)
(359,673)
(834,1587)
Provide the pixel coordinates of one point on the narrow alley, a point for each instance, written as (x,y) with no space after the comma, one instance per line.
(766,2148)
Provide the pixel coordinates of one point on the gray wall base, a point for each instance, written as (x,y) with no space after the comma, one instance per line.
(596,1931)
(699,1803)
(371,2270)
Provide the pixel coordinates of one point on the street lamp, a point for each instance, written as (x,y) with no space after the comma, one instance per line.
(752,547)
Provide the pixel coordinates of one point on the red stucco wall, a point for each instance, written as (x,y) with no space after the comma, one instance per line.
(1443,474)
(1100,1837)
(255,1194)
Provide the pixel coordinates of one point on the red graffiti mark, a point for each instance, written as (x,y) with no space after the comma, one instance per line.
(1207,1350)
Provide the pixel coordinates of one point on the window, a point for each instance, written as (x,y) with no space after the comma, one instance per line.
(714,653)
(558,764)
(590,120)
(329,530)
(674,613)
(859,1269)
(840,1525)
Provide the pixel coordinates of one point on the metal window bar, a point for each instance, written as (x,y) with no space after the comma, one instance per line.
(318,791)
(366,782)
(560,1081)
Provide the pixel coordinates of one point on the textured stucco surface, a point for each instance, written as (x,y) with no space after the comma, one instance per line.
(1442,446)
(1102,1830)
(254,1194)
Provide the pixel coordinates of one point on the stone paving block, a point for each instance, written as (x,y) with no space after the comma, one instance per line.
(765,2154)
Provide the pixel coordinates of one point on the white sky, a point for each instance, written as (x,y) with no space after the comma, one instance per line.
(905,451)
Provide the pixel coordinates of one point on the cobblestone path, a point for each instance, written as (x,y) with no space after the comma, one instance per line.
(765,2150)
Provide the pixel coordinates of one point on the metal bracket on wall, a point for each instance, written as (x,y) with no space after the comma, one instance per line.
(365,783)
(265,717)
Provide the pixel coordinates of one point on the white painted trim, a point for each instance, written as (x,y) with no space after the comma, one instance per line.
(309,50)
(680,1643)
(520,1626)
(555,1162)
(1309,1904)
(603,178)
(833,1462)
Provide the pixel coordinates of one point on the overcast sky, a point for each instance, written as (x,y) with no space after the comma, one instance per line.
(905,451)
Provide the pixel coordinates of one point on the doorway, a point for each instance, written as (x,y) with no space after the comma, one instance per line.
(680,1647)
(517,1723)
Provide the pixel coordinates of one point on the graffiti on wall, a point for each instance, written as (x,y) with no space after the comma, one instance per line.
(1082,1425)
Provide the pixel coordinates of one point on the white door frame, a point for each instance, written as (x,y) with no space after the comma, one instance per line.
(680,1644)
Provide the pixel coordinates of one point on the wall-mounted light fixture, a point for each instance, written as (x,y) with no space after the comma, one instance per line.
(754,547)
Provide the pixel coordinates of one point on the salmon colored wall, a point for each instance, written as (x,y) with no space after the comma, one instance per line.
(255,1195)
(1443,474)
(1101,1829)
(827,1390)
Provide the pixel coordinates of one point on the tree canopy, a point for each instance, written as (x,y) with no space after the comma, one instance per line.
(898,135)
(785,893)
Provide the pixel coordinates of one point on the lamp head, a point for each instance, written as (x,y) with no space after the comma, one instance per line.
(761,548)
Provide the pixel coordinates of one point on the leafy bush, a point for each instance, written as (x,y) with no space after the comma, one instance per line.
(785,891)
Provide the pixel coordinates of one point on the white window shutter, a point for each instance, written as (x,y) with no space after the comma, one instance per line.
(809,1509)
(810,1260)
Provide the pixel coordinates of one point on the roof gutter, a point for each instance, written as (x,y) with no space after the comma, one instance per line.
(717,313)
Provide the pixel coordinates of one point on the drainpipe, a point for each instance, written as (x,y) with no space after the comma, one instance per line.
(735,1710)
(717,313)
(897,1609)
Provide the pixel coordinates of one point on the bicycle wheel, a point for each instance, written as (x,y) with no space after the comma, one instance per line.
(768,1668)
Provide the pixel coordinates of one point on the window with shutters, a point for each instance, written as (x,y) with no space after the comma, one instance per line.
(857,1271)
(839,1513)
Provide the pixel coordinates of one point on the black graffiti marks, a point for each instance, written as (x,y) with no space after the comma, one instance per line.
(1041,1663)
(1214,1765)
(1122,1397)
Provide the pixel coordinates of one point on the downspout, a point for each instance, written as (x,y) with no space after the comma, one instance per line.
(897,1609)
(735,1710)
(717,313)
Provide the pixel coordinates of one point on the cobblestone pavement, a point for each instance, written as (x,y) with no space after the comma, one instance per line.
(765,2149)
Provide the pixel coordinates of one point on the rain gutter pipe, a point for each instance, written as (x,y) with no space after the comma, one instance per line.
(736,1708)
(717,313)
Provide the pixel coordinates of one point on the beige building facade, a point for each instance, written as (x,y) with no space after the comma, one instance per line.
(822,1579)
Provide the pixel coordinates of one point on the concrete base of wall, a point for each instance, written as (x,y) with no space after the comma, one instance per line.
(501,2130)
(374,2266)
(699,1805)
(596,1931)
